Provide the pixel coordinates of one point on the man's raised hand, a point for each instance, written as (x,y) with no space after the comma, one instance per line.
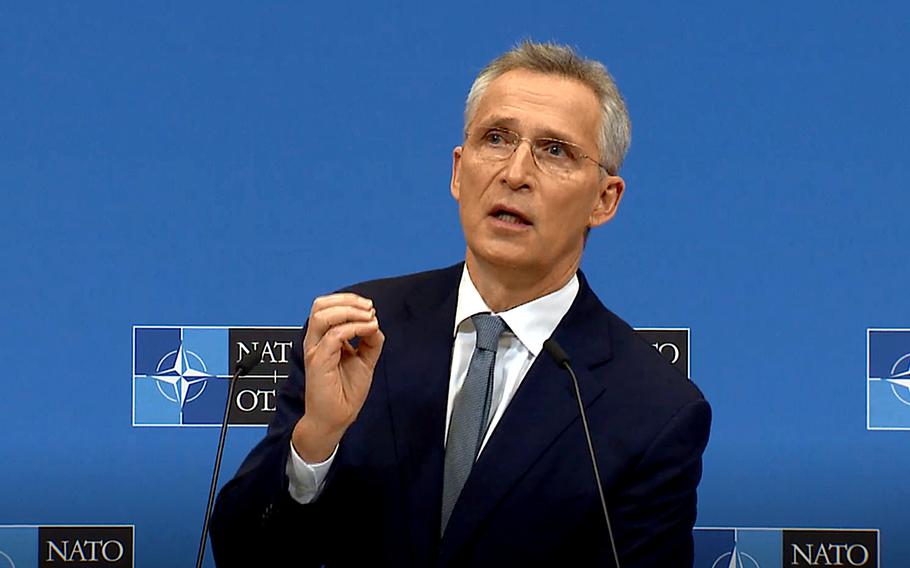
(338,376)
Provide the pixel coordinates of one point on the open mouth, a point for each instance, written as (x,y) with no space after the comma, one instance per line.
(509,216)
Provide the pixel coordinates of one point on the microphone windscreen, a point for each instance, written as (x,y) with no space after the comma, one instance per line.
(556,352)
(248,362)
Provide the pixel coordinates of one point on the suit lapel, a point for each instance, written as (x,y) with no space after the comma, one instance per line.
(542,408)
(418,365)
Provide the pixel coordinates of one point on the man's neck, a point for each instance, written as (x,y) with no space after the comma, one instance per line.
(503,288)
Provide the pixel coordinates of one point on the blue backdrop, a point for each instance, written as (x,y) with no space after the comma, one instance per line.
(212,164)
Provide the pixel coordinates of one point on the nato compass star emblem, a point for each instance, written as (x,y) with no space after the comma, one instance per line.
(888,378)
(900,379)
(181,376)
(735,559)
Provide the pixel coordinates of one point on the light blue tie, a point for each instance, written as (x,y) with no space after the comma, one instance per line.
(470,412)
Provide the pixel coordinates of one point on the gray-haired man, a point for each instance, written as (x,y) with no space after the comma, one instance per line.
(423,424)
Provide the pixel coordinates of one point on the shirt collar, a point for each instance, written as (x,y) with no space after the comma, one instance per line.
(532,323)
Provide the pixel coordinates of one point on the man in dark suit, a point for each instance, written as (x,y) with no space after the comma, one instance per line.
(445,436)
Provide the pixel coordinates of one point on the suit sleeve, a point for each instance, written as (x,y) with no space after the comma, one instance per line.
(654,513)
(255,520)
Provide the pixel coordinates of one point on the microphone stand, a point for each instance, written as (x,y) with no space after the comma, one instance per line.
(247,364)
(562,360)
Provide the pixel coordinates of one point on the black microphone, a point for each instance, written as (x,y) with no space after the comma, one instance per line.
(246,364)
(562,360)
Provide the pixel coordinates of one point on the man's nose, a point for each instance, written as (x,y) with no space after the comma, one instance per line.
(520,167)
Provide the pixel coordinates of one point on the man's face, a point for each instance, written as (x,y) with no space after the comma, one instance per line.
(516,216)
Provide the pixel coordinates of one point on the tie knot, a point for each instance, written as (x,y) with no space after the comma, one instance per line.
(489,328)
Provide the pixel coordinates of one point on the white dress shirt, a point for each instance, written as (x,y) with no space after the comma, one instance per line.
(529,325)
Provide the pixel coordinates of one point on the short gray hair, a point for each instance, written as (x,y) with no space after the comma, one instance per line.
(556,59)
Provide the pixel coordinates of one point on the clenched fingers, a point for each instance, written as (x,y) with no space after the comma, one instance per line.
(330,311)
(330,345)
(325,319)
(341,299)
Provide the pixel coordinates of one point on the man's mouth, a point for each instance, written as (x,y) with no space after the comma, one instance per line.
(510,216)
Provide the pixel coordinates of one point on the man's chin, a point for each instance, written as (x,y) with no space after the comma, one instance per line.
(506,258)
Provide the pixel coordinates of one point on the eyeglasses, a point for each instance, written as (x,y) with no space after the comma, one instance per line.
(551,155)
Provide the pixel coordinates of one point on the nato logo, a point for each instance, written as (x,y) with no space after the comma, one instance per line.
(672,343)
(779,548)
(888,379)
(28,546)
(181,374)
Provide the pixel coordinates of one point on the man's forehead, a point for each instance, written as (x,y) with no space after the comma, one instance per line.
(540,104)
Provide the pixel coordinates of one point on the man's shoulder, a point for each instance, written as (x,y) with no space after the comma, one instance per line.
(648,367)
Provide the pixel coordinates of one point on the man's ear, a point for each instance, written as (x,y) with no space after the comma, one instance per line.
(608,197)
(455,183)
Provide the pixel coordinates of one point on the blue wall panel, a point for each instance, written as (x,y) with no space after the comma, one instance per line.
(222,165)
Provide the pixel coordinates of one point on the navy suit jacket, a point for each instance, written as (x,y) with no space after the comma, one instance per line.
(530,499)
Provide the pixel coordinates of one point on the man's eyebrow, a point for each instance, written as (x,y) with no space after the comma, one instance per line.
(555,134)
(513,124)
(501,122)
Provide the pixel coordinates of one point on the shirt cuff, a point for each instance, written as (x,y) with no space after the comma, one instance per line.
(305,480)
